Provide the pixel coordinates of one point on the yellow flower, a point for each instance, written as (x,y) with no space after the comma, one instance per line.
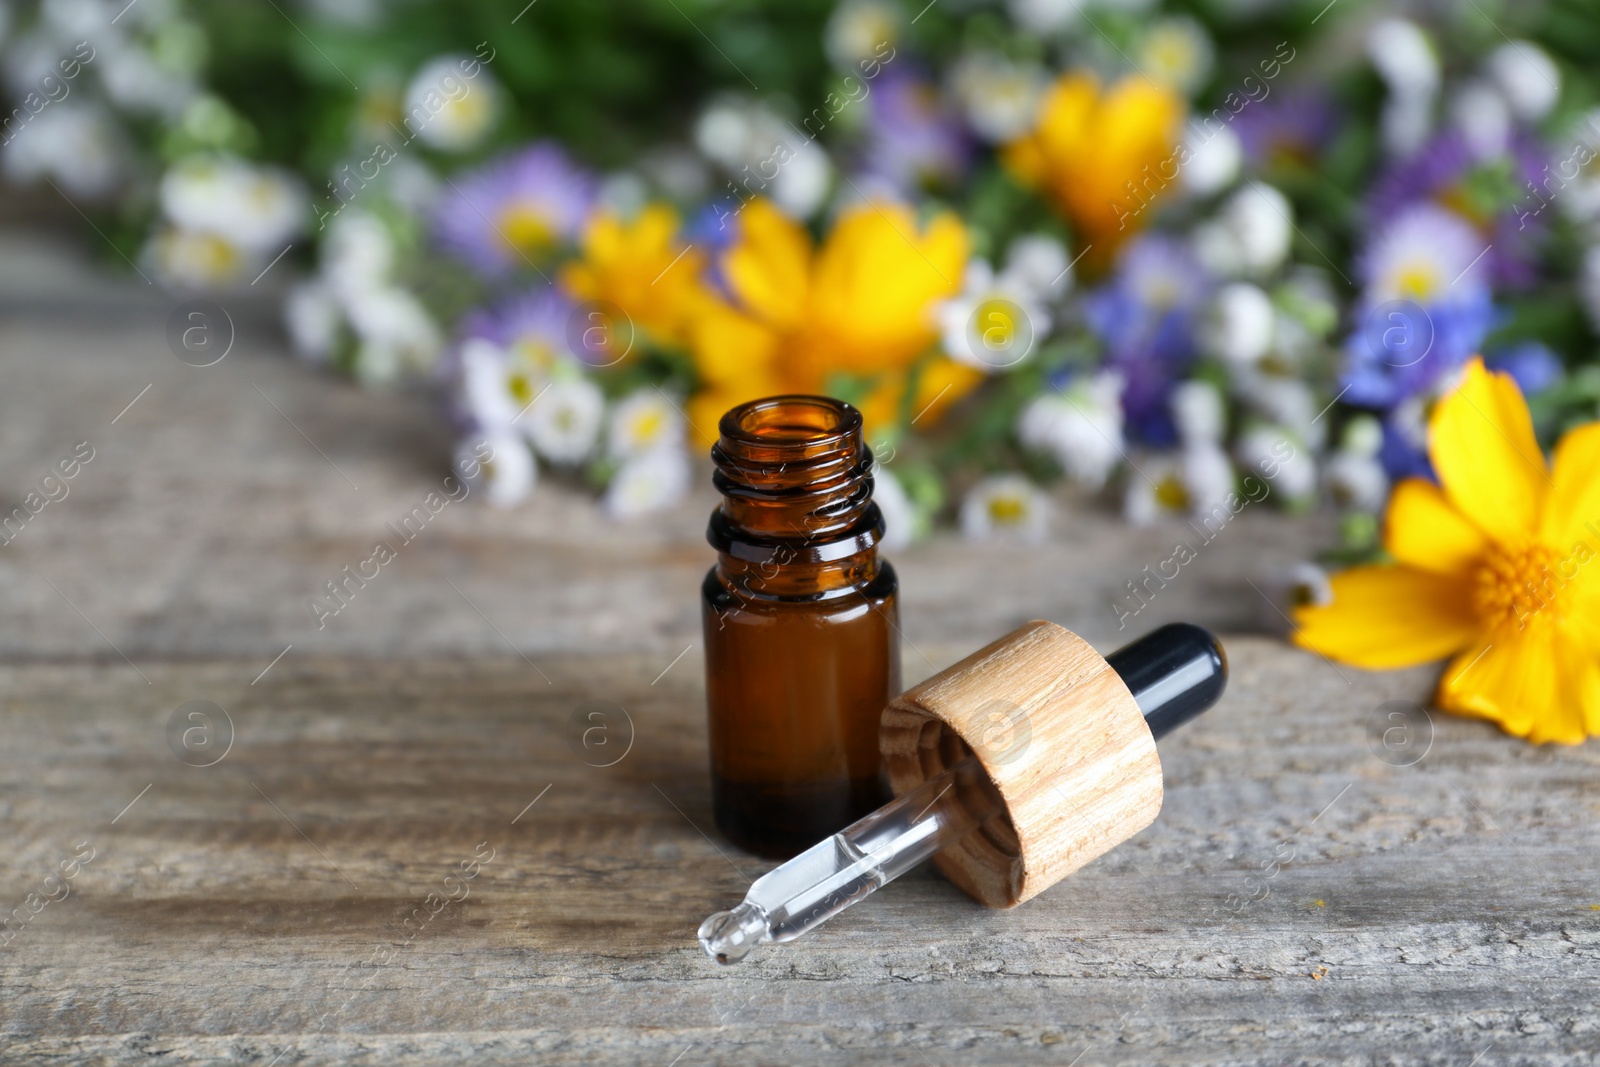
(1496,568)
(641,267)
(1101,156)
(860,305)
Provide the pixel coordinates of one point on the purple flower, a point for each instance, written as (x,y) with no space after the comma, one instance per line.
(1444,171)
(1145,316)
(1294,126)
(914,139)
(535,320)
(509,213)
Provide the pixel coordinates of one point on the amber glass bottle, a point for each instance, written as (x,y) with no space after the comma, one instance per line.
(801,627)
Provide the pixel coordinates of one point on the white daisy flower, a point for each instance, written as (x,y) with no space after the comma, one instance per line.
(803,181)
(73,144)
(447,110)
(394,320)
(1239,327)
(565,424)
(1080,428)
(1005,507)
(725,132)
(135,81)
(1284,401)
(259,209)
(1177,52)
(624,193)
(1305,583)
(1000,98)
(1207,475)
(1214,159)
(193,259)
(1277,455)
(1037,264)
(1403,57)
(1301,584)
(857,31)
(1527,76)
(903,521)
(499,466)
(1193,482)
(1261,221)
(1199,413)
(1482,115)
(1363,436)
(1250,235)
(648,482)
(487,386)
(1406,122)
(1580,198)
(1356,482)
(995,323)
(1045,16)
(358,253)
(644,422)
(311,315)
(379,363)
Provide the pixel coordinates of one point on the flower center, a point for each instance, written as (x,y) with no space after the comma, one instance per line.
(1517,584)
(1171,494)
(526,227)
(1416,281)
(520,386)
(1007,510)
(647,426)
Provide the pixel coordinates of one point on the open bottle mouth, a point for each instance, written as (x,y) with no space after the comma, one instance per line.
(794,467)
(791,422)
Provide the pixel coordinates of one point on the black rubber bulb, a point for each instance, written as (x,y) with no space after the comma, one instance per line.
(1174,673)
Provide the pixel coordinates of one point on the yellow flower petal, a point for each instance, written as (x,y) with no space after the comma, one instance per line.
(767,269)
(1423,529)
(1388,617)
(1539,682)
(1482,445)
(1101,156)
(641,267)
(730,347)
(1572,513)
(875,283)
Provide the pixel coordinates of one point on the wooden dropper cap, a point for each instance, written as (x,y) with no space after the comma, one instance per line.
(1067,738)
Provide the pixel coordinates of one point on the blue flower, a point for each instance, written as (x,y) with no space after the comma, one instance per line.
(1425,310)
(1531,364)
(1146,316)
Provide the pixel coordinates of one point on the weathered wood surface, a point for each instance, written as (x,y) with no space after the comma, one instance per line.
(1299,900)
(259,907)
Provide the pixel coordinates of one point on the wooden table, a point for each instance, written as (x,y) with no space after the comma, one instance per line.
(1308,894)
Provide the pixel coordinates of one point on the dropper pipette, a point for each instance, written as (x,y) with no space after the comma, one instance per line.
(1173,674)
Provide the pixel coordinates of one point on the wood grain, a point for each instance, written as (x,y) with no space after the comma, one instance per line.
(1307,896)
(266,907)
(1063,742)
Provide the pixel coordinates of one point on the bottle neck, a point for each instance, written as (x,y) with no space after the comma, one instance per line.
(797,517)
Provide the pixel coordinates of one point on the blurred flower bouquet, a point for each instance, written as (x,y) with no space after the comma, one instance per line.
(1190,256)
